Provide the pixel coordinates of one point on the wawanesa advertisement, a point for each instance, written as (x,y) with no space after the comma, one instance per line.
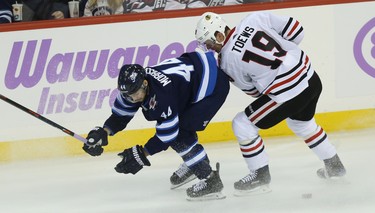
(69,74)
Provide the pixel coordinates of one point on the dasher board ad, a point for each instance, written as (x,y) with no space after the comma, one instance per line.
(69,74)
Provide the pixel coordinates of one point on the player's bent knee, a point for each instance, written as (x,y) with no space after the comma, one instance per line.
(302,128)
(248,142)
(243,129)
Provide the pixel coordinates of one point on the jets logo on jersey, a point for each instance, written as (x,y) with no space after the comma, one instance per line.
(165,115)
(152,102)
(133,76)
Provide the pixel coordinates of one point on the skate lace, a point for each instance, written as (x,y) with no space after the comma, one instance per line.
(182,170)
(199,186)
(250,177)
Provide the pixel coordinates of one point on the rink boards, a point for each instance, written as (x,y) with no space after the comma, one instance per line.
(45,71)
(219,131)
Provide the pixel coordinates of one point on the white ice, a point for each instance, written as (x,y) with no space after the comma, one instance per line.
(86,184)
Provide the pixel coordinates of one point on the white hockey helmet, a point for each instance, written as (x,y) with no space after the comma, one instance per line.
(208,24)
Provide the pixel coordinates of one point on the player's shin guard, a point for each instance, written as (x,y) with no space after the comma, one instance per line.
(256,158)
(317,140)
(314,136)
(257,181)
(251,144)
(196,164)
(254,153)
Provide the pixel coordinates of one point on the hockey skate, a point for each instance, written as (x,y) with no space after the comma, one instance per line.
(257,182)
(181,176)
(207,189)
(333,168)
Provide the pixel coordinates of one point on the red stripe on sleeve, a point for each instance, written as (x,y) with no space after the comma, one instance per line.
(294,28)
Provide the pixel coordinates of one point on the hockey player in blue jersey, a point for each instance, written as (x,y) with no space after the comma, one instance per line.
(182,94)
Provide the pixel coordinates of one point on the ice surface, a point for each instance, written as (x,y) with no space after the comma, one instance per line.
(90,184)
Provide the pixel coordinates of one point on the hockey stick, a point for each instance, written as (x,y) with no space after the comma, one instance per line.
(44,119)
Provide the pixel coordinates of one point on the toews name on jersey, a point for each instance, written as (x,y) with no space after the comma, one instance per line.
(242,39)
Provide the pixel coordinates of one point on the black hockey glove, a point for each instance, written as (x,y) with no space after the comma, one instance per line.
(96,138)
(133,160)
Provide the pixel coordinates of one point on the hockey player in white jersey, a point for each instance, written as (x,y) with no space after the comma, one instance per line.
(262,58)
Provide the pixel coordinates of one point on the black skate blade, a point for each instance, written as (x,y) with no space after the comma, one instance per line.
(212,196)
(191,178)
(256,191)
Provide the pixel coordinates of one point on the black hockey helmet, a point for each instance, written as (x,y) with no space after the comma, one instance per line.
(130,79)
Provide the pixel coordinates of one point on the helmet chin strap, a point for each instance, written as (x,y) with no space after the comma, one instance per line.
(215,42)
(145,85)
(145,88)
(224,37)
(222,42)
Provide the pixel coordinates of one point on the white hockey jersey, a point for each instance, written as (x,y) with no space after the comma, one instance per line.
(261,56)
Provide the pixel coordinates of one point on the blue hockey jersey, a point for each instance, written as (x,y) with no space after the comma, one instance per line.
(174,85)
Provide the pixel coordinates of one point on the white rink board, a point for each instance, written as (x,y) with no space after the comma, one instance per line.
(330,34)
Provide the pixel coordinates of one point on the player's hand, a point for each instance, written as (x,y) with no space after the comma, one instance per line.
(133,160)
(96,138)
